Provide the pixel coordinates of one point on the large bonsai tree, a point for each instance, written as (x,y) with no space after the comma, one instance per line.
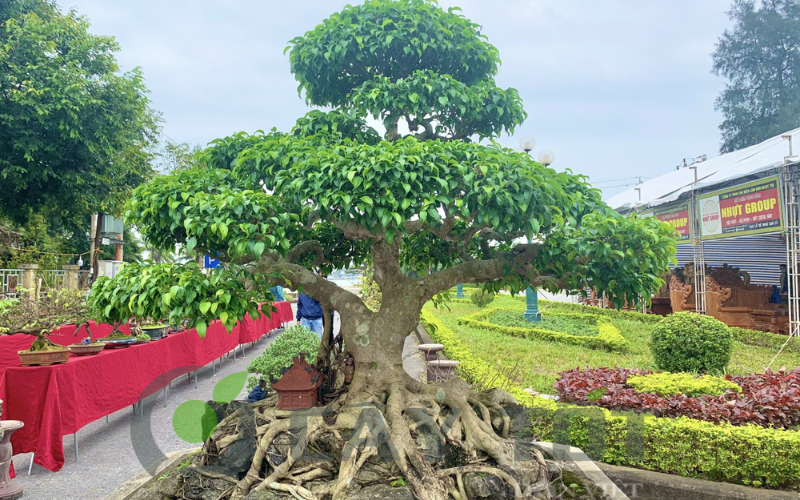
(428,190)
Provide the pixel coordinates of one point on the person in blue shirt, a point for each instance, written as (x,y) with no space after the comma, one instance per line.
(309,313)
(277,293)
(259,393)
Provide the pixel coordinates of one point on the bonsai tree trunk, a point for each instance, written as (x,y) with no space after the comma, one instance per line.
(394,408)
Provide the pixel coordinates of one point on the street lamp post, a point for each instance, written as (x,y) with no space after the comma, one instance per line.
(531,295)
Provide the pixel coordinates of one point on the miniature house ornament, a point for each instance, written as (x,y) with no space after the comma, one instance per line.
(297,387)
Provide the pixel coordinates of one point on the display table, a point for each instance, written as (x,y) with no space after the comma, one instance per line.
(55,401)
(251,330)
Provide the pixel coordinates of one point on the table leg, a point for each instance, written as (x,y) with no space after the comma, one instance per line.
(75,440)
(165,396)
(243,352)
(106,418)
(195,378)
(234,354)
(30,466)
(214,366)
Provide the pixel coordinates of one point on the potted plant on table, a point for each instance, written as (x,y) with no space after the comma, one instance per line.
(40,317)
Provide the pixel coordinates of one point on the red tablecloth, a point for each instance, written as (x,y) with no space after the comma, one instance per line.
(54,401)
(251,330)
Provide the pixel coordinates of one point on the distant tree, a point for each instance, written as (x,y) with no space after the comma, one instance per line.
(177,156)
(76,134)
(760,57)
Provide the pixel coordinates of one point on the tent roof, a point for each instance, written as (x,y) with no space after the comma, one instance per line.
(668,187)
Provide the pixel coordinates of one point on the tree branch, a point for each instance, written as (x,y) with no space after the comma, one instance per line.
(517,261)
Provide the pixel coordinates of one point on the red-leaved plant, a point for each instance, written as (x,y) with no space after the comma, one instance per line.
(770,399)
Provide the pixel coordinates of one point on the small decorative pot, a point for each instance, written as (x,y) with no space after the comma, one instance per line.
(156,332)
(43,358)
(86,349)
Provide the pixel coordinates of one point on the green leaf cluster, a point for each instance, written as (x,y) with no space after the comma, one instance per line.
(670,384)
(481,298)
(278,356)
(453,108)
(174,292)
(390,39)
(694,343)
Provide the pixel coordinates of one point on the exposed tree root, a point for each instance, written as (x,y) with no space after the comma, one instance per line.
(437,438)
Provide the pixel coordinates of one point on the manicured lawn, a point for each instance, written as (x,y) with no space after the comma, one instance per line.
(535,363)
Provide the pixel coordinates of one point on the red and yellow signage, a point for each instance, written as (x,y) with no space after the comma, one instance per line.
(750,208)
(677,216)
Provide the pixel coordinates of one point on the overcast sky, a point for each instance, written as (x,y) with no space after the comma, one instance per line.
(615,88)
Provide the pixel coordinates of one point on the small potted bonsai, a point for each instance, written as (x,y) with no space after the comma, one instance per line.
(154,329)
(40,317)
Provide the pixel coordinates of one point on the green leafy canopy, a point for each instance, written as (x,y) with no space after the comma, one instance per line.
(334,192)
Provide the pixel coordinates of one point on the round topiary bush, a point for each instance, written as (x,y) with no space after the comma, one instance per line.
(481,298)
(690,342)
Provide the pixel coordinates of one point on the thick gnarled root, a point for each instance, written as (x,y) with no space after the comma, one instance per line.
(441,441)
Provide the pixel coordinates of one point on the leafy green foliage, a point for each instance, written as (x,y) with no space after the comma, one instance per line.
(279,354)
(74,131)
(481,298)
(332,193)
(688,342)
(388,39)
(760,58)
(174,292)
(670,384)
(683,446)
(453,108)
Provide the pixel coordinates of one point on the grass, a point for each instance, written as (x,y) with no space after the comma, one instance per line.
(549,322)
(536,363)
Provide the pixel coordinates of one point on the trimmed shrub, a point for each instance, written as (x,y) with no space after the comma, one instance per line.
(279,354)
(764,339)
(689,342)
(751,455)
(600,311)
(608,337)
(481,298)
(671,384)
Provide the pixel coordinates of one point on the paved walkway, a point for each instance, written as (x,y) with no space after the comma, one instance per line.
(106,454)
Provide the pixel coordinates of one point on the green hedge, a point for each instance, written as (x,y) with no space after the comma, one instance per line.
(751,455)
(610,313)
(608,338)
(764,339)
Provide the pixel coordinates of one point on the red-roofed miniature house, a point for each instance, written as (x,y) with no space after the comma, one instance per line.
(297,388)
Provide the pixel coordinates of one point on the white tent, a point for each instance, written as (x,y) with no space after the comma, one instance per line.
(666,188)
